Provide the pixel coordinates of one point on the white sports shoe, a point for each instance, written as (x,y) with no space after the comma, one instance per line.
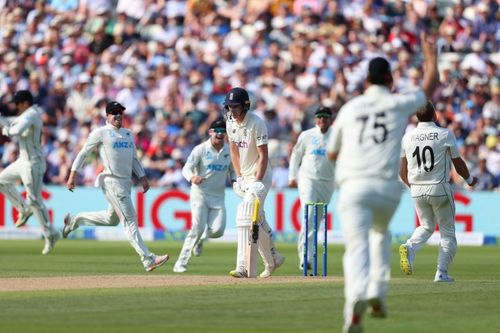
(239,273)
(68,227)
(198,248)
(50,243)
(406,259)
(278,261)
(159,260)
(179,268)
(23,217)
(442,277)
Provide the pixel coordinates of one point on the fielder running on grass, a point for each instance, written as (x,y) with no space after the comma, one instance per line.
(29,167)
(426,157)
(248,144)
(118,155)
(316,173)
(206,169)
(366,142)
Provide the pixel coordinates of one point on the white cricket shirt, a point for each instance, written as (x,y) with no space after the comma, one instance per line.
(116,150)
(367,133)
(309,153)
(206,161)
(28,127)
(248,135)
(429,150)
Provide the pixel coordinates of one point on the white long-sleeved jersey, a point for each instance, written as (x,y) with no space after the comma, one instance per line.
(116,150)
(429,150)
(309,153)
(367,134)
(206,161)
(28,128)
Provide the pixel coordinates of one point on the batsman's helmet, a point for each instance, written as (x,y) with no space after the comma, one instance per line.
(237,96)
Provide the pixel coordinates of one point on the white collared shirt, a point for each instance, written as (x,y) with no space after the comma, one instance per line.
(213,165)
(28,128)
(309,153)
(367,133)
(429,150)
(248,135)
(116,150)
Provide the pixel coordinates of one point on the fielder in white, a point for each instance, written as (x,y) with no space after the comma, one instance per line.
(248,145)
(366,142)
(316,173)
(426,157)
(206,169)
(117,152)
(29,167)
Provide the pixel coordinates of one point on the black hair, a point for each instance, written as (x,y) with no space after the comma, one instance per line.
(379,71)
(426,113)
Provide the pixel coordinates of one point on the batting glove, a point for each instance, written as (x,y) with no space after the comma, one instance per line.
(238,187)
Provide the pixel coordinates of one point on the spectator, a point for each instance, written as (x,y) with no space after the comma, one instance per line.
(173,60)
(486,181)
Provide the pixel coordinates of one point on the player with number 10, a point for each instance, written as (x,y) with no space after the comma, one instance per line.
(426,157)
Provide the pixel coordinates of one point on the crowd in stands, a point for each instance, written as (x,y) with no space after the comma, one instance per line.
(170,62)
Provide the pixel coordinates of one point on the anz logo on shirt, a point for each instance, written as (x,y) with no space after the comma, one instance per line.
(319,151)
(123,144)
(217,167)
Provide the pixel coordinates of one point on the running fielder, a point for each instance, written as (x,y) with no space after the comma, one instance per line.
(118,154)
(29,168)
(366,143)
(206,169)
(316,173)
(426,157)
(248,145)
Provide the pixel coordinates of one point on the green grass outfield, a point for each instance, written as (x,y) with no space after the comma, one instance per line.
(415,303)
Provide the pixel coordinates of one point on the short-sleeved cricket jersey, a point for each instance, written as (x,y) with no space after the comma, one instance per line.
(248,135)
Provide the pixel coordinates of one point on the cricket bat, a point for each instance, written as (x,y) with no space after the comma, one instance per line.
(254,233)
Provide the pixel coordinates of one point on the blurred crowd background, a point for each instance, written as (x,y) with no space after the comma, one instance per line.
(170,62)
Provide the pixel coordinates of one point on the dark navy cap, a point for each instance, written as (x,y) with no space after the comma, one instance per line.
(113,107)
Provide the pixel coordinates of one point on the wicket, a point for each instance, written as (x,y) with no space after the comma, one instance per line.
(314,206)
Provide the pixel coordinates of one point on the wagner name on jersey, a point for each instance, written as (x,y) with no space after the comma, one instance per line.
(429,150)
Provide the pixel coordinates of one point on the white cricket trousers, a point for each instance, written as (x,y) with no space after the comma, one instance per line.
(208,216)
(31,175)
(265,243)
(435,204)
(366,207)
(120,209)
(312,191)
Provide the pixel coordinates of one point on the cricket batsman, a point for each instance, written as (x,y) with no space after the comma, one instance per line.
(249,154)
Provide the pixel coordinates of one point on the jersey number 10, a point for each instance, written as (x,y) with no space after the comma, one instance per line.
(422,158)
